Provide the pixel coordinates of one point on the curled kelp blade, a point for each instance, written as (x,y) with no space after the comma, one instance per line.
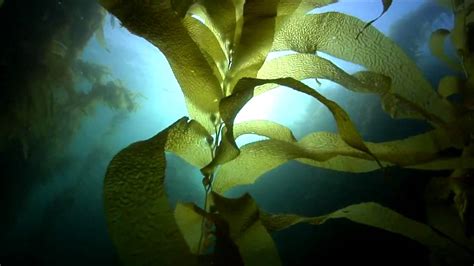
(328,150)
(244,91)
(376,215)
(255,244)
(305,66)
(437,41)
(139,219)
(259,18)
(228,150)
(264,128)
(386,5)
(208,44)
(158,23)
(221,17)
(333,33)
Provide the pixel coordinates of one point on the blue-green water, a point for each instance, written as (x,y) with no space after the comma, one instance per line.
(58,219)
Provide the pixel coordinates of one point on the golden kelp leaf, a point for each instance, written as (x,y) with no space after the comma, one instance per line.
(289,7)
(256,158)
(437,41)
(345,164)
(329,151)
(304,66)
(221,18)
(345,126)
(209,45)
(157,22)
(189,223)
(192,146)
(265,128)
(376,215)
(449,85)
(228,149)
(139,220)
(259,19)
(254,242)
(386,5)
(244,91)
(334,33)
(373,82)
(416,149)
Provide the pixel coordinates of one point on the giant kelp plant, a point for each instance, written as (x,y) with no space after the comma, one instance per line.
(217,50)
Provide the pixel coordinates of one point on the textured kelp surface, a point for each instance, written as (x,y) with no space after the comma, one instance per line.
(220,66)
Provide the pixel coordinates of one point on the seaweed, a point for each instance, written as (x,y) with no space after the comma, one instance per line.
(220,64)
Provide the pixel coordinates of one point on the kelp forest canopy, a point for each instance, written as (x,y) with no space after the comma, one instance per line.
(218,53)
(41,105)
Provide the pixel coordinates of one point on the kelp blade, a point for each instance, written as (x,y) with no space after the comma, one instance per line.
(157,22)
(246,230)
(139,219)
(378,216)
(334,33)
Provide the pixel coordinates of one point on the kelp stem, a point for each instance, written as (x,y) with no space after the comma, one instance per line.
(207,180)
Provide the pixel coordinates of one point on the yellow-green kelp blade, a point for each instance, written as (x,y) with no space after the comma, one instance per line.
(305,66)
(290,7)
(256,39)
(244,91)
(386,5)
(437,40)
(329,151)
(221,17)
(264,128)
(189,223)
(158,23)
(246,230)
(334,33)
(139,219)
(376,215)
(208,44)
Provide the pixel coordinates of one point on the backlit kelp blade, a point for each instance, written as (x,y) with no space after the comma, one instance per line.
(376,215)
(328,150)
(334,33)
(157,22)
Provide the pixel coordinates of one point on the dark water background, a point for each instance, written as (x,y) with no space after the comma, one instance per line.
(51,198)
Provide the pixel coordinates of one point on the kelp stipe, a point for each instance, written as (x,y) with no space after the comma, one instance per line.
(220,65)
